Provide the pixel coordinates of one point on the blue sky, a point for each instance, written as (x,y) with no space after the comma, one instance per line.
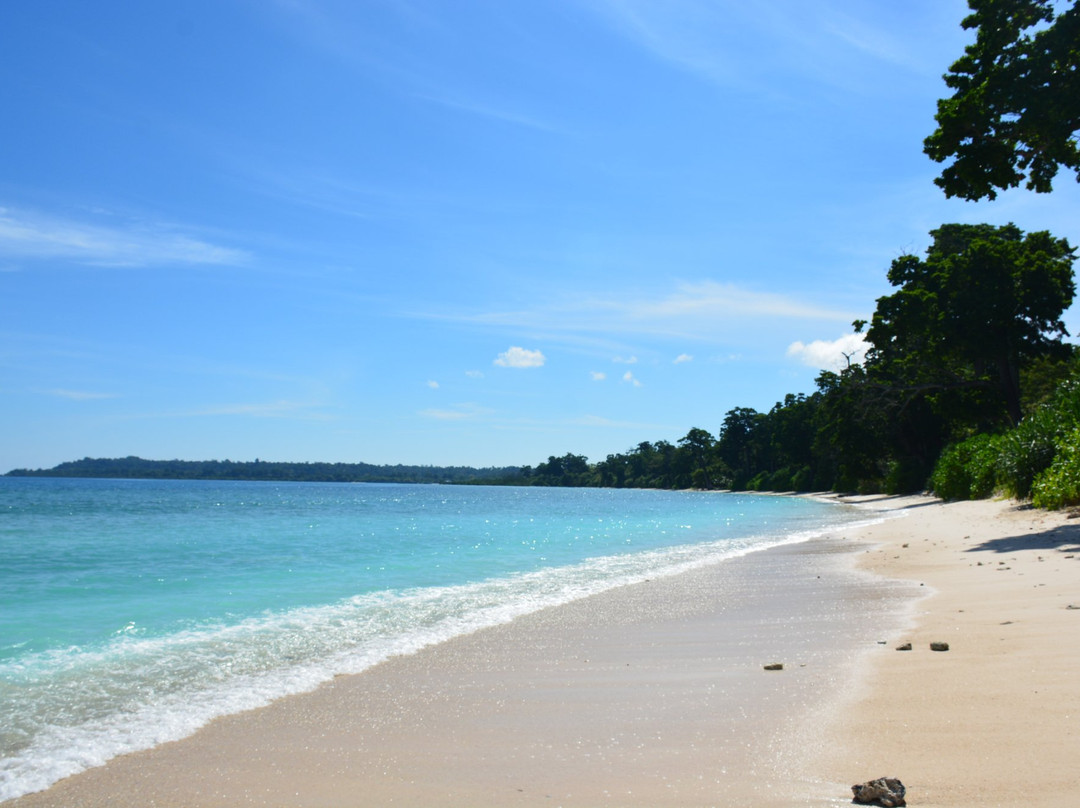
(449,232)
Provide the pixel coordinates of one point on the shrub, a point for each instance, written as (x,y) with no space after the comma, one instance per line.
(803,479)
(1059,485)
(759,482)
(1028,450)
(968,470)
(780,480)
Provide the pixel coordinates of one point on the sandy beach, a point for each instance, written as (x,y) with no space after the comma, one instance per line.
(994,721)
(656,694)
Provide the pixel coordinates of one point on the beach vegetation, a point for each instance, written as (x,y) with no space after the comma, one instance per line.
(1038,459)
(1058,486)
(969,469)
(1015,109)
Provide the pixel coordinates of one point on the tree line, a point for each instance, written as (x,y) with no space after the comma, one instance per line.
(138,468)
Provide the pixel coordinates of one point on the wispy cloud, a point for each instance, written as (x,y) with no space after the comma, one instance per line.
(31,235)
(735,44)
(629,378)
(683,358)
(597,376)
(496,113)
(79,395)
(832,355)
(708,311)
(434,385)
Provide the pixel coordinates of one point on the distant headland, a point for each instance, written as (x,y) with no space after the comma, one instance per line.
(255,470)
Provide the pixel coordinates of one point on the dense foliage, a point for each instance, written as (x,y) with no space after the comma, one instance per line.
(1038,459)
(137,468)
(1015,110)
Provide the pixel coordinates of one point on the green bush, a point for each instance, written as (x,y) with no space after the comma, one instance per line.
(1028,450)
(1059,485)
(803,479)
(968,470)
(780,480)
(759,482)
(951,479)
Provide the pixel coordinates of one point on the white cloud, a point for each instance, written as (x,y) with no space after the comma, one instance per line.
(597,376)
(833,355)
(520,358)
(629,360)
(127,244)
(629,378)
(681,358)
(434,385)
(474,374)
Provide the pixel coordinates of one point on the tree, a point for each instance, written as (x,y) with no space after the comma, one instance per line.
(1015,112)
(743,444)
(985,301)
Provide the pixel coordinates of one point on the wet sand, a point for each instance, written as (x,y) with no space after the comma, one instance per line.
(656,694)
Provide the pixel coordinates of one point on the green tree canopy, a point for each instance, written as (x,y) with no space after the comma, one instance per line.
(1015,112)
(983,302)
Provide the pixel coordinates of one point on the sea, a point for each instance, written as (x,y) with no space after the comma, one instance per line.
(133,612)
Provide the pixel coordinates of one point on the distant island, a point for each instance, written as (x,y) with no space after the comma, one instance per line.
(255,470)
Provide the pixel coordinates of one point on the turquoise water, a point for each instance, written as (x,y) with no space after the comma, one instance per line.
(132,612)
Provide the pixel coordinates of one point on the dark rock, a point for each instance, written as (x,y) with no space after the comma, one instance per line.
(887,792)
(776,666)
(939,646)
(905,647)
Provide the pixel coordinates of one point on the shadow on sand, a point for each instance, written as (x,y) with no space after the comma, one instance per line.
(1063,538)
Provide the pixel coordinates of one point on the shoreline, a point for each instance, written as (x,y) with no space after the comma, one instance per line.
(655,693)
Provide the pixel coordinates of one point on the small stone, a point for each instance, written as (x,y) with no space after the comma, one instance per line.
(905,647)
(887,792)
(775,666)
(939,646)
